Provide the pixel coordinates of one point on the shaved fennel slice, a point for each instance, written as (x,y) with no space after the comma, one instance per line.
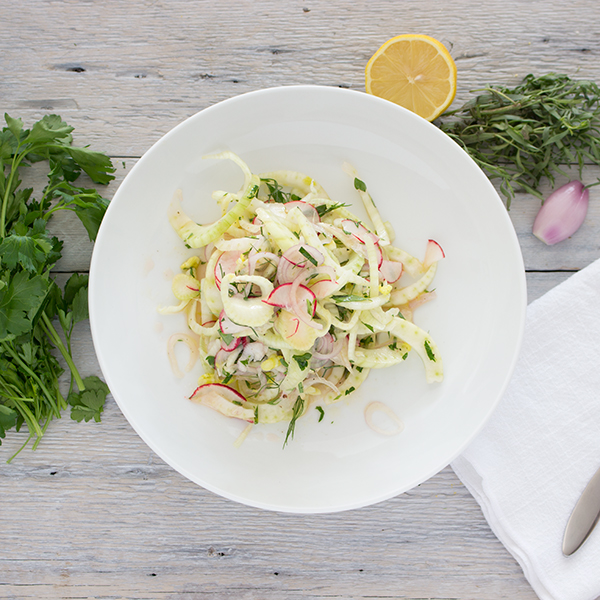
(281,235)
(423,345)
(370,207)
(405,295)
(252,312)
(413,266)
(300,183)
(196,236)
(350,384)
(379,358)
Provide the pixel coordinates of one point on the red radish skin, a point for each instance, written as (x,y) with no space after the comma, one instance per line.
(226,263)
(391,271)
(224,390)
(433,253)
(358,230)
(308,210)
(226,325)
(281,297)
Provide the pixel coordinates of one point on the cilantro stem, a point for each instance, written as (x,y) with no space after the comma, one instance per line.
(55,339)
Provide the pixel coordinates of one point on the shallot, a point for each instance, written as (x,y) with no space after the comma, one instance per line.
(562,213)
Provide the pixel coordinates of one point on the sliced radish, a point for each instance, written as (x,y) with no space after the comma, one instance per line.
(294,259)
(281,296)
(304,306)
(227,326)
(293,330)
(391,270)
(223,399)
(358,230)
(226,263)
(433,253)
(235,342)
(308,210)
(325,287)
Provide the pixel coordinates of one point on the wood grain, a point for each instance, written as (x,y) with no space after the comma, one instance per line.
(93,513)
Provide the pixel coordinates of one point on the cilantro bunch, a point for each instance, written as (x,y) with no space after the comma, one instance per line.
(31,302)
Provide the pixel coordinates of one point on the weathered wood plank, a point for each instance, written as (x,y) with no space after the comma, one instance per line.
(126,73)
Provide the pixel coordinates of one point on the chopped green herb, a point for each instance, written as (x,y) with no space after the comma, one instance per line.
(359,369)
(367,326)
(349,390)
(303,360)
(296,413)
(322,413)
(301,388)
(210,360)
(308,255)
(236,402)
(359,185)
(256,414)
(429,351)
(226,337)
(323,209)
(227,378)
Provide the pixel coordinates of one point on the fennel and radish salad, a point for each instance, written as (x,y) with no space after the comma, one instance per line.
(291,299)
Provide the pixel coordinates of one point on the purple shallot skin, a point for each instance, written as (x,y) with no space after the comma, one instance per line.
(562,214)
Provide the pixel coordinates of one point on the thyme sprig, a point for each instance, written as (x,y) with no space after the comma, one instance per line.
(529,133)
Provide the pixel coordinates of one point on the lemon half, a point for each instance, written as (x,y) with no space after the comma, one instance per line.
(414,71)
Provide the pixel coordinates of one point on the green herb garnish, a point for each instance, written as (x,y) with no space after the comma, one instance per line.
(303,360)
(276,192)
(359,185)
(30,300)
(296,413)
(524,134)
(226,337)
(308,255)
(322,413)
(323,209)
(429,351)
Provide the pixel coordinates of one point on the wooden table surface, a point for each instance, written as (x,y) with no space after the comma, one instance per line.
(93,513)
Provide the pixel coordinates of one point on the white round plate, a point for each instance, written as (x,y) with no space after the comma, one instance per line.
(425,185)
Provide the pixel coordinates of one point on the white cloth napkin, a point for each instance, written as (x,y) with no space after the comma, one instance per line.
(529,465)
